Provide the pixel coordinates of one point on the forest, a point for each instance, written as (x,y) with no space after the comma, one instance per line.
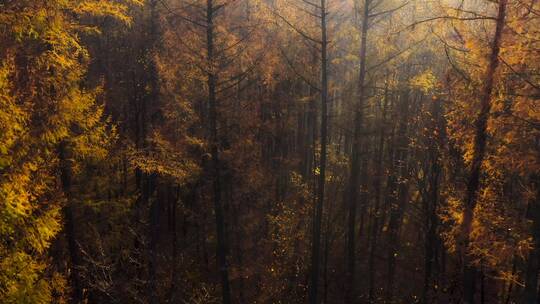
(269,151)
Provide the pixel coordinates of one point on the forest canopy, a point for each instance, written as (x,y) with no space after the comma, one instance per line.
(269,151)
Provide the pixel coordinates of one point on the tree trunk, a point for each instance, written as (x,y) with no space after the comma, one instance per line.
(77,295)
(377,188)
(431,202)
(480,137)
(316,239)
(355,163)
(173,203)
(154,217)
(400,181)
(221,251)
(530,292)
(150,181)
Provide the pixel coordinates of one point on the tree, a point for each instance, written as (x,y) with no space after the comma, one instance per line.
(479,148)
(48,112)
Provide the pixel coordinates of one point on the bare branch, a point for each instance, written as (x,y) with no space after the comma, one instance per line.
(181,16)
(473,13)
(240,76)
(458,70)
(392,57)
(307,37)
(306,11)
(520,75)
(388,11)
(449,18)
(289,63)
(236,43)
(312,4)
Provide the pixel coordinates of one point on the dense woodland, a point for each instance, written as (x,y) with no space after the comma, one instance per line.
(269,151)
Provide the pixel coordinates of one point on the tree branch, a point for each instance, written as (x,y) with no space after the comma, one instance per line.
(296,29)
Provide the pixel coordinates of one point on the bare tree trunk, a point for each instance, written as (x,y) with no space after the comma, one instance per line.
(221,250)
(355,163)
(77,295)
(150,181)
(154,216)
(377,188)
(326,254)
(316,239)
(173,203)
(480,137)
(530,292)
(397,209)
(430,203)
(482,285)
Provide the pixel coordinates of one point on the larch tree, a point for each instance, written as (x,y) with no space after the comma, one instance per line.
(49,120)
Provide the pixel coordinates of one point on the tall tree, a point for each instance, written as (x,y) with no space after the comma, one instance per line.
(356,158)
(48,111)
(214,150)
(479,150)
